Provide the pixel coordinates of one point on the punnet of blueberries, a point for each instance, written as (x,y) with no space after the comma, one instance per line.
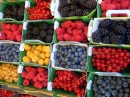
(9,52)
(70,56)
(108,86)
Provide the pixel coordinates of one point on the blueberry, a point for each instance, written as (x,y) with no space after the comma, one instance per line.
(82,63)
(58,47)
(76,54)
(123,79)
(79,49)
(73,49)
(95,89)
(108,94)
(67,67)
(103,91)
(84,48)
(113,86)
(121,90)
(125,85)
(72,56)
(113,82)
(74,67)
(126,95)
(118,87)
(82,67)
(127,90)
(120,95)
(66,59)
(119,82)
(76,59)
(55,57)
(104,84)
(114,93)
(70,50)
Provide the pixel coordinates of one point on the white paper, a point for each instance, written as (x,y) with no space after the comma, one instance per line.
(27,4)
(1,15)
(108,74)
(25,25)
(89,85)
(49,86)
(20,69)
(90,51)
(21,47)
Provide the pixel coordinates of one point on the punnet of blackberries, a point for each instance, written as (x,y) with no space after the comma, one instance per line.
(110,86)
(70,56)
(112,32)
(43,32)
(68,8)
(14,11)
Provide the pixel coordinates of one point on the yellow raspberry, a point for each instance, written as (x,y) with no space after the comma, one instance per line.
(35,58)
(40,61)
(47,55)
(39,47)
(27,47)
(36,52)
(26,59)
(46,61)
(28,53)
(42,55)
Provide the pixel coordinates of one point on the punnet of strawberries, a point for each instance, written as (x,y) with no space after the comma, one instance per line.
(70,81)
(6,93)
(37,77)
(40,11)
(115,5)
(109,59)
(72,31)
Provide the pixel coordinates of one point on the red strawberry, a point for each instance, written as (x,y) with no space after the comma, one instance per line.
(108,1)
(85,30)
(123,15)
(35,79)
(20,28)
(26,82)
(78,38)
(8,26)
(38,85)
(3,25)
(67,37)
(3,37)
(13,37)
(44,83)
(17,32)
(40,76)
(125,4)
(111,7)
(60,31)
(70,30)
(14,27)
(40,69)
(103,6)
(104,14)
(60,37)
(18,38)
(77,32)
(23,74)
(73,24)
(28,68)
(79,24)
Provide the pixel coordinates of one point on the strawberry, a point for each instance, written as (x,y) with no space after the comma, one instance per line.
(77,32)
(28,68)
(3,25)
(40,76)
(103,6)
(14,27)
(18,38)
(78,38)
(125,4)
(38,85)
(23,74)
(110,7)
(108,1)
(60,31)
(67,37)
(70,30)
(26,82)
(40,69)
(79,24)
(8,27)
(60,37)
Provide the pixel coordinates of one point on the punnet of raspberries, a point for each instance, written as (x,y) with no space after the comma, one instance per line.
(37,77)
(70,81)
(108,59)
(72,31)
(115,5)
(40,11)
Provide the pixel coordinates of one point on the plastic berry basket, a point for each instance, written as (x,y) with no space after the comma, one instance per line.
(4,4)
(58,15)
(95,25)
(58,22)
(21,80)
(58,92)
(53,62)
(91,68)
(23,53)
(35,23)
(90,80)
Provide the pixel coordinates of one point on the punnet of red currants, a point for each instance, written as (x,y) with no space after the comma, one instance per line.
(70,81)
(40,11)
(109,59)
(6,93)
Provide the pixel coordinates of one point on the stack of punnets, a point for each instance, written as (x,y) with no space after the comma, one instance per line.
(60,48)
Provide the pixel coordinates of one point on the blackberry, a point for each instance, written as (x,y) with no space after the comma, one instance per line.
(25,36)
(113,24)
(8,10)
(96,37)
(106,40)
(49,39)
(44,26)
(50,32)
(85,12)
(118,39)
(111,33)
(14,8)
(120,30)
(121,23)
(103,31)
(128,38)
(78,12)
(71,13)
(105,23)
(29,36)
(64,12)
(74,1)
(91,4)
(128,24)
(73,7)
(82,2)
(21,13)
(30,27)
(43,34)
(63,2)
(36,30)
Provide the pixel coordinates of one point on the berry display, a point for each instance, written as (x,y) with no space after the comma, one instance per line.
(36,77)
(115,31)
(6,93)
(11,32)
(9,52)
(9,72)
(73,57)
(70,81)
(40,11)
(108,59)
(14,11)
(72,31)
(110,86)
(37,54)
(114,5)
(26,95)
(76,7)
(43,32)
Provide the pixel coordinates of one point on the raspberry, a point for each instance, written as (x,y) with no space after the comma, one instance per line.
(3,25)
(28,68)
(110,7)
(60,31)
(78,38)
(125,4)
(23,74)
(104,14)
(60,37)
(108,1)
(103,6)
(40,76)
(67,37)
(70,30)
(18,38)
(38,85)
(14,27)
(77,32)
(79,24)
(40,69)
(8,26)
(26,82)
(35,79)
